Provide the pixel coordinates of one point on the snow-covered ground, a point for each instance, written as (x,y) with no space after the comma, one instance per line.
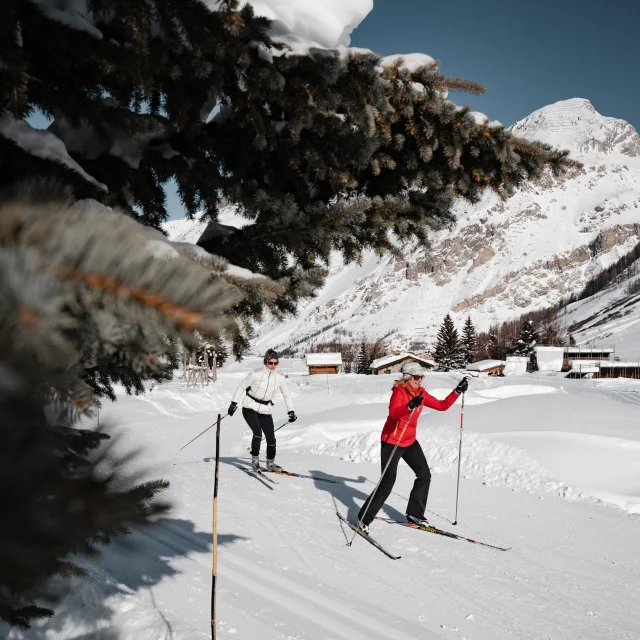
(550,469)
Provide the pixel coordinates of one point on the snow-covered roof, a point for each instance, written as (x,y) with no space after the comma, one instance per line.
(559,349)
(389,360)
(483,365)
(584,349)
(610,364)
(327,359)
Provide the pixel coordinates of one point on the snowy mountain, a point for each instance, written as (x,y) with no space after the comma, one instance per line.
(577,126)
(503,258)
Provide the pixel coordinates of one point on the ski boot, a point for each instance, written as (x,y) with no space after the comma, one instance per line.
(363,527)
(421,522)
(272,466)
(255,463)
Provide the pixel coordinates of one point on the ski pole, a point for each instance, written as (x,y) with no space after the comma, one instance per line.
(364,511)
(455,520)
(282,425)
(200,434)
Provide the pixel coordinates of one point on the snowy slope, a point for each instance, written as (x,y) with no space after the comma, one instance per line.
(537,451)
(611,317)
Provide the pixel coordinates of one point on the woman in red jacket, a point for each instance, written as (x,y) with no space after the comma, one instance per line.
(407,399)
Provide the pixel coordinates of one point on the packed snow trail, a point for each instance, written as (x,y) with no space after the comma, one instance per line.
(284,570)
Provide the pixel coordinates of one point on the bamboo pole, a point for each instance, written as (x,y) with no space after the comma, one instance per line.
(214,571)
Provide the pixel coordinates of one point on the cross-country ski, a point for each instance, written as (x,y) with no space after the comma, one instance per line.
(441,532)
(367,537)
(258,473)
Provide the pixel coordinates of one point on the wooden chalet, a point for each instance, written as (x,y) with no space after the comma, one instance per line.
(487,367)
(393,363)
(323,363)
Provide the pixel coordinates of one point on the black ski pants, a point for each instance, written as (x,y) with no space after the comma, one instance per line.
(261,423)
(413,455)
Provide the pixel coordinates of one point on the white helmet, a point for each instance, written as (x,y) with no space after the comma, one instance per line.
(412,369)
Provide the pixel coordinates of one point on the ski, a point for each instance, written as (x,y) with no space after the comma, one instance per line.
(367,537)
(259,473)
(299,475)
(441,532)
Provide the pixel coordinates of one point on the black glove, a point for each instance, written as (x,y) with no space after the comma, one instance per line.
(292,416)
(232,408)
(463,385)
(415,402)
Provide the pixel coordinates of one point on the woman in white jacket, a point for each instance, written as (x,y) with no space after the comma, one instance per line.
(258,390)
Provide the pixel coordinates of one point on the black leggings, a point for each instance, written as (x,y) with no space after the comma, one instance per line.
(414,457)
(260,423)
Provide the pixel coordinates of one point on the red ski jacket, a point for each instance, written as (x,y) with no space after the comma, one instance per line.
(399,414)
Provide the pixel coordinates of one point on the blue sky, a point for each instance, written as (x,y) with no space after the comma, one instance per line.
(526,54)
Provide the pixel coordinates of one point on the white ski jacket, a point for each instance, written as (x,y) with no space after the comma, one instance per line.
(264,384)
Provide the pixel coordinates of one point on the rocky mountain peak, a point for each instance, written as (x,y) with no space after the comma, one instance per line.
(575,125)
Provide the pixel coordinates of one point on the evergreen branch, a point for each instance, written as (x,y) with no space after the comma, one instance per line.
(457,84)
(181,316)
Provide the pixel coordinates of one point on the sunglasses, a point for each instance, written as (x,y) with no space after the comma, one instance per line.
(418,377)
(273,362)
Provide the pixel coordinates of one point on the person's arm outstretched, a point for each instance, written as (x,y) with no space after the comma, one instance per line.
(443,405)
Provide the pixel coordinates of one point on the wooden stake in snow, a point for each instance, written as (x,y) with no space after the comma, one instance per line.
(214,570)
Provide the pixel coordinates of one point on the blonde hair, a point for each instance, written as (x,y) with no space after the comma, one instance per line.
(402,381)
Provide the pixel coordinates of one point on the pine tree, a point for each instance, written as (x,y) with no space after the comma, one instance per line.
(527,339)
(448,351)
(469,342)
(221,355)
(572,340)
(363,360)
(85,302)
(141,79)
